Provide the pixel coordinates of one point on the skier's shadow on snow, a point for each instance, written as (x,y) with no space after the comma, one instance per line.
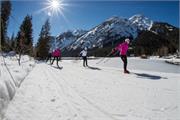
(58,67)
(152,77)
(93,68)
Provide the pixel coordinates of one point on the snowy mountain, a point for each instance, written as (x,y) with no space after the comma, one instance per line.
(162,28)
(162,37)
(112,29)
(67,38)
(142,22)
(109,31)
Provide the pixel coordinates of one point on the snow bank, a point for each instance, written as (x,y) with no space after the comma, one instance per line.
(173,61)
(11,76)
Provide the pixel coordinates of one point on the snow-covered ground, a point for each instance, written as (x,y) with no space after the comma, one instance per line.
(11,76)
(100,92)
(152,64)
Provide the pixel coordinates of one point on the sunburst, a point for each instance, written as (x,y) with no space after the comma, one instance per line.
(53,7)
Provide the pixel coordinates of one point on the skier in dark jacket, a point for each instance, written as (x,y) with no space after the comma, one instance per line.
(49,56)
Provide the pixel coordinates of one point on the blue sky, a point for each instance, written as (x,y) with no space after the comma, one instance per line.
(87,14)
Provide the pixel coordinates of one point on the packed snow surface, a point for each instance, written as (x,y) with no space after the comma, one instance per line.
(99,92)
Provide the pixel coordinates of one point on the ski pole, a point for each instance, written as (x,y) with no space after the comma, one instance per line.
(104,58)
(109,58)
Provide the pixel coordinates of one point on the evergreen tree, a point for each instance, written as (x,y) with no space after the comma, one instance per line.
(17,41)
(5,13)
(43,46)
(12,42)
(24,39)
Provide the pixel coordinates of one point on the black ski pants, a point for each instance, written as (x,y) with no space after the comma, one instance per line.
(85,61)
(49,57)
(124,59)
(57,59)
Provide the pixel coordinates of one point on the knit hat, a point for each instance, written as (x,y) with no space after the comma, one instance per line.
(127,40)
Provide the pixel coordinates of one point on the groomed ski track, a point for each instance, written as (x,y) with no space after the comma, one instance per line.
(78,93)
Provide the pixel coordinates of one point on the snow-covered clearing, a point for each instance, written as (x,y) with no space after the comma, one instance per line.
(101,92)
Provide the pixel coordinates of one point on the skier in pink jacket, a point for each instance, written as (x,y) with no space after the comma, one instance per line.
(123,48)
(57,55)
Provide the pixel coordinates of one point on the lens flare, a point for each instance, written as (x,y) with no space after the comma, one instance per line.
(53,7)
(55,4)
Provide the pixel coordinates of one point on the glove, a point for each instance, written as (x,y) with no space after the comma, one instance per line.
(113,50)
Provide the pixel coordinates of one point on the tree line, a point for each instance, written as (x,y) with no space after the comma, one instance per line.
(22,43)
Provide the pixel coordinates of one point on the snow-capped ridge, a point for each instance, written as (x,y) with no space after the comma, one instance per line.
(142,22)
(109,31)
(103,33)
(65,39)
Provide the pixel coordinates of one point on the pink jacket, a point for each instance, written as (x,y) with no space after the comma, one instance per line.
(56,53)
(122,48)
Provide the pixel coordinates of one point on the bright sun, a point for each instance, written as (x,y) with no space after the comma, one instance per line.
(54,7)
(55,4)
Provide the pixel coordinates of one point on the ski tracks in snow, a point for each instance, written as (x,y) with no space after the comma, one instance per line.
(83,108)
(77,93)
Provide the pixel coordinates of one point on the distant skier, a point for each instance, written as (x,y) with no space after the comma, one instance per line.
(83,53)
(49,55)
(57,55)
(123,48)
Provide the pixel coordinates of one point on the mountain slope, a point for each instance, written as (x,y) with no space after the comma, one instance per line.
(110,30)
(142,22)
(162,39)
(103,37)
(67,38)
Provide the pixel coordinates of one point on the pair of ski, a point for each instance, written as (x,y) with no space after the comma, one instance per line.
(57,67)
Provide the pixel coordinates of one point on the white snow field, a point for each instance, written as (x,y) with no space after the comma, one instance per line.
(11,76)
(101,92)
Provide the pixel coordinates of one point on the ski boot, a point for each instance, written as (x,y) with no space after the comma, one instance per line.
(126,72)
